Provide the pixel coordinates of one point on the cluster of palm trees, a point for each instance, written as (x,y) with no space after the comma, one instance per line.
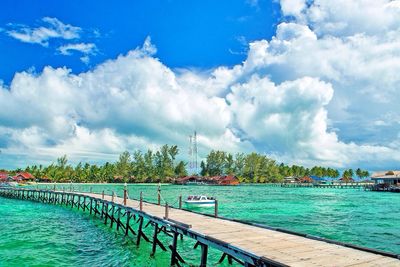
(162,166)
(257,168)
(150,166)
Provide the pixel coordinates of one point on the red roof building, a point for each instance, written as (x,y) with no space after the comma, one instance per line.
(346,180)
(3,176)
(228,180)
(306,179)
(23,176)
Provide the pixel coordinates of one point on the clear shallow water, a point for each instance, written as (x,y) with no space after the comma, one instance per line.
(46,235)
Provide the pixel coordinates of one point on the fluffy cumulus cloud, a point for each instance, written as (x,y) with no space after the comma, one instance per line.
(50,28)
(131,102)
(324,90)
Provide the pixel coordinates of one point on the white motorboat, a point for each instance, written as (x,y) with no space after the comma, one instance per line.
(200,201)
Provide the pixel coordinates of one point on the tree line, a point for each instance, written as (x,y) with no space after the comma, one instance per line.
(258,168)
(162,166)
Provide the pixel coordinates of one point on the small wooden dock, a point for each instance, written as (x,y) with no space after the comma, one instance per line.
(328,185)
(248,244)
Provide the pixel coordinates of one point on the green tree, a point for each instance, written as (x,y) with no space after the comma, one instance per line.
(180,169)
(123,166)
(216,162)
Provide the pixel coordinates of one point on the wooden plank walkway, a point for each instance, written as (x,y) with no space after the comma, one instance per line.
(284,248)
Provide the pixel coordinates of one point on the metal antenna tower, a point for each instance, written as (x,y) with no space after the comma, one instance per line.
(195,151)
(193,163)
(190,153)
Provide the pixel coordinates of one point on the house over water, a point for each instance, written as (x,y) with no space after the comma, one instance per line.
(23,177)
(4,177)
(386,180)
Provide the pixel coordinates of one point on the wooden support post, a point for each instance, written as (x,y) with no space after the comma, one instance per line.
(153,249)
(125,193)
(180,202)
(91,205)
(139,231)
(112,215)
(216,209)
(118,218)
(204,252)
(128,218)
(175,257)
(84,203)
(141,201)
(102,210)
(79,201)
(156,241)
(106,214)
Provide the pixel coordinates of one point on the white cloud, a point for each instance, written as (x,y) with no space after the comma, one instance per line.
(324,90)
(89,48)
(131,102)
(293,7)
(85,48)
(344,18)
(51,28)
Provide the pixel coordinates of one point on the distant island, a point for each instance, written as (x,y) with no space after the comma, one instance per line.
(162,166)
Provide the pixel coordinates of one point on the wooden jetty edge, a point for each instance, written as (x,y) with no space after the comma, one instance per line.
(245,243)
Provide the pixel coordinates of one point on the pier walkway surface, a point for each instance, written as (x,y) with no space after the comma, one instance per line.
(252,245)
(280,247)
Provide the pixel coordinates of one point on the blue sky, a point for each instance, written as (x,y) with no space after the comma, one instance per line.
(307,82)
(200,34)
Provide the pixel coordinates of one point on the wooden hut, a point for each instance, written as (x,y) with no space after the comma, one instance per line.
(387,178)
(306,180)
(346,180)
(23,177)
(3,176)
(228,180)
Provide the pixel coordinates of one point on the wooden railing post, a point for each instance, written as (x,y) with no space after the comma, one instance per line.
(216,208)
(180,202)
(125,193)
(112,197)
(166,211)
(159,195)
(141,201)
(102,195)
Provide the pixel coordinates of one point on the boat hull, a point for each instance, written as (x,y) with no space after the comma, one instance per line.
(200,203)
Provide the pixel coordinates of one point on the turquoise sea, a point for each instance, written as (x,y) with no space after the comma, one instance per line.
(34,234)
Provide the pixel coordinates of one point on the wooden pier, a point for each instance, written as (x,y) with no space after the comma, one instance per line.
(328,185)
(245,243)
